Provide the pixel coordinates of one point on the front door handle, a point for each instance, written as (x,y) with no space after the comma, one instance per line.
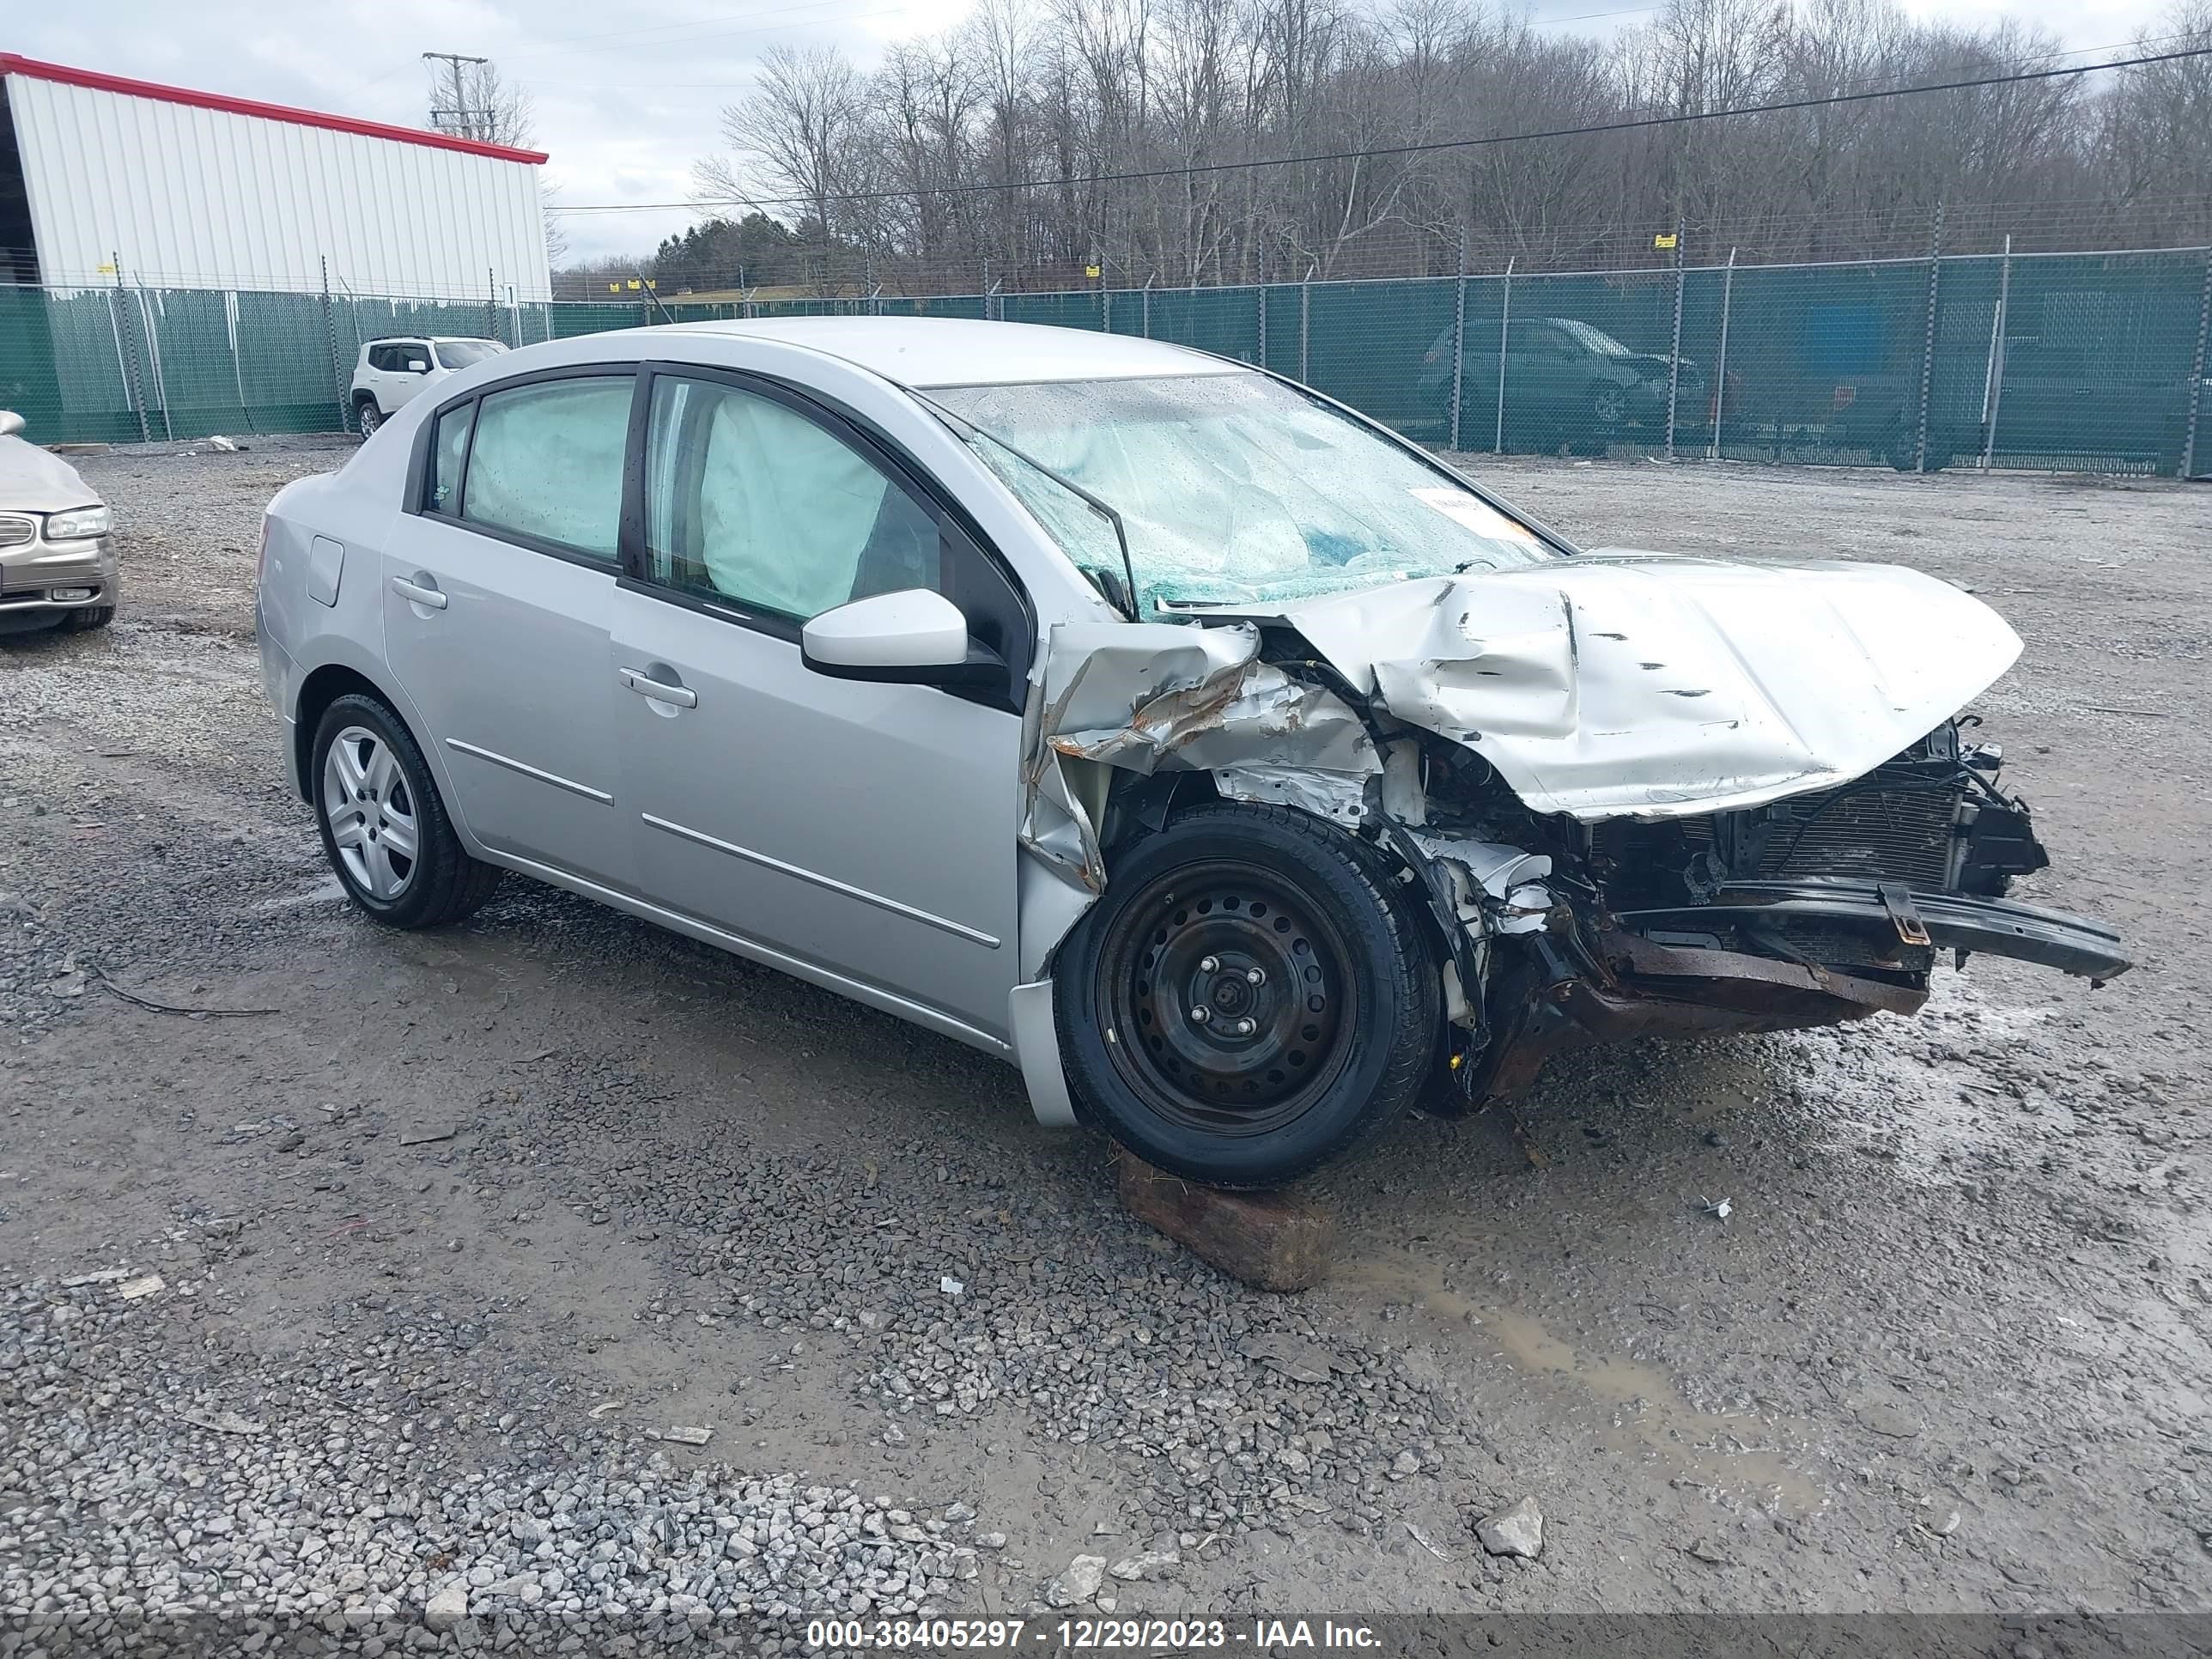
(416,593)
(682,696)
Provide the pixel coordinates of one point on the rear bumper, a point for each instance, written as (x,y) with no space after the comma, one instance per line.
(1952,921)
(279,681)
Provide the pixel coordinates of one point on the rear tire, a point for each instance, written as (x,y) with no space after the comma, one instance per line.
(373,795)
(1330,1044)
(84,621)
(367,416)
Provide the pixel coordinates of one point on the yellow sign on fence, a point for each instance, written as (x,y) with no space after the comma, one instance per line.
(1664,239)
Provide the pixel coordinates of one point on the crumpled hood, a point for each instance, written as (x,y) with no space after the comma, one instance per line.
(34,480)
(1621,684)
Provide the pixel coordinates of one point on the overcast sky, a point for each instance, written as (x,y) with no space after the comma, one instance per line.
(624,106)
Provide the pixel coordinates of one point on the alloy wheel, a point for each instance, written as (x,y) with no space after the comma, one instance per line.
(1228,1008)
(371,813)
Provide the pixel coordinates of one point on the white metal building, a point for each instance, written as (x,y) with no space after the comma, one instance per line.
(103,177)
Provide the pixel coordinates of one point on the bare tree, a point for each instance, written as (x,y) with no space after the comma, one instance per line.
(471,99)
(2154,130)
(803,127)
(1040,135)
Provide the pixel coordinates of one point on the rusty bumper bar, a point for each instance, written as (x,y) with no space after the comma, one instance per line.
(1952,921)
(1642,987)
(1650,989)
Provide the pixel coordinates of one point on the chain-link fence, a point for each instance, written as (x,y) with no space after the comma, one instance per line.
(2064,361)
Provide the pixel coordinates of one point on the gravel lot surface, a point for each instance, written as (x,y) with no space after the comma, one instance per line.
(456,1233)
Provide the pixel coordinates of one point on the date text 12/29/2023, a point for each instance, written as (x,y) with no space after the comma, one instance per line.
(1085,1635)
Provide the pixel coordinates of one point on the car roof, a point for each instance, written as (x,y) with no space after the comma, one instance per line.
(436,339)
(942,351)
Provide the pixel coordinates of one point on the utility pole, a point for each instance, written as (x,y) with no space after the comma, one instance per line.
(456,119)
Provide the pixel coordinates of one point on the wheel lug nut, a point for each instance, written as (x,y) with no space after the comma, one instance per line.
(1253,976)
(1210,965)
(1200,1016)
(1245,1027)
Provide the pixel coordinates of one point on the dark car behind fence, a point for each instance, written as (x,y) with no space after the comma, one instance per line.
(2065,361)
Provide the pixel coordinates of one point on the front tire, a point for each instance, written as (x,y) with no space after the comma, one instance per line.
(1250,999)
(384,827)
(89,617)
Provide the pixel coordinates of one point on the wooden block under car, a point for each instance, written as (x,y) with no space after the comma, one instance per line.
(1272,1241)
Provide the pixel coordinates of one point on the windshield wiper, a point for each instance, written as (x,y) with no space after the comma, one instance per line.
(1128,601)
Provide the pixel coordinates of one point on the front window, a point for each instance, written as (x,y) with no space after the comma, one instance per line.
(1233,489)
(462,354)
(748,500)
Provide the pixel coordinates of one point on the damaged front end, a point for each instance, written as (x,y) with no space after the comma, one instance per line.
(1632,796)
(1812,910)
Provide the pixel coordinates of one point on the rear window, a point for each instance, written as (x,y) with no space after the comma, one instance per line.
(547,461)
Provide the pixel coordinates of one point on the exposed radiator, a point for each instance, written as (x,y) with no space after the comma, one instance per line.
(1881,834)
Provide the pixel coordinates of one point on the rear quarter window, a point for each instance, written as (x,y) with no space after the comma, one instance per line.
(449,451)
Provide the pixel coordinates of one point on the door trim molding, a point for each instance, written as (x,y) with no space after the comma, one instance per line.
(553,778)
(875,996)
(958,930)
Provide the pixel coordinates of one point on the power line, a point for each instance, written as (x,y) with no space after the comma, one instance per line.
(1626,123)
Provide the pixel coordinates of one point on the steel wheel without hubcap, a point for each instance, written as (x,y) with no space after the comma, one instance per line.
(1226,995)
(371,813)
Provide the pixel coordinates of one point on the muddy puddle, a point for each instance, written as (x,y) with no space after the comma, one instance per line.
(1632,1408)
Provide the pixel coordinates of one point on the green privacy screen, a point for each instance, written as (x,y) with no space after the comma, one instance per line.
(2075,360)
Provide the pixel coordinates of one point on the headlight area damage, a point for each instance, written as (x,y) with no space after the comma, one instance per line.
(1638,794)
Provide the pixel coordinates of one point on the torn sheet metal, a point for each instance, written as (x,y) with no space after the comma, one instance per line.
(1646,685)
(1167,696)
(1340,797)
(1255,715)
(1495,889)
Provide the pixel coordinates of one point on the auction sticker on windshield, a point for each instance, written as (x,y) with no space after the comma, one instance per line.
(1475,514)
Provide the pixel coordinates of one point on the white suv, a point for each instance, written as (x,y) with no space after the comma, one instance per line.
(392,371)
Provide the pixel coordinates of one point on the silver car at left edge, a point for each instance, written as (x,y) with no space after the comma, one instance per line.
(1239,771)
(58,567)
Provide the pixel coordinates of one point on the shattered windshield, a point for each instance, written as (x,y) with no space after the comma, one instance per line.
(1235,489)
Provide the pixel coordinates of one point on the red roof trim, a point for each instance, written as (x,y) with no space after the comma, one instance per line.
(10,63)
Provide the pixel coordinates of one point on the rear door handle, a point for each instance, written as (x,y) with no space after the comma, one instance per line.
(682,697)
(416,593)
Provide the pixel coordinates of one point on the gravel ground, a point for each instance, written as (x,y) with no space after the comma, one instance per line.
(453,1231)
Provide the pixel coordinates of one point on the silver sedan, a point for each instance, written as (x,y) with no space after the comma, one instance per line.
(57,561)
(1240,772)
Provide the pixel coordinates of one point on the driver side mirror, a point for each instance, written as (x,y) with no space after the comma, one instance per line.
(10,423)
(913,637)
